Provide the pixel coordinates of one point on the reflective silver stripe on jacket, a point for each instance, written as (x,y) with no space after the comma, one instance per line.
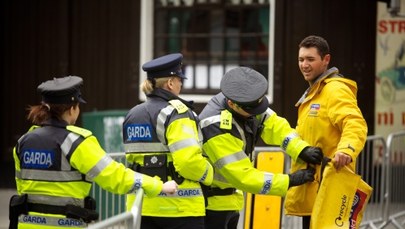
(210,120)
(200,134)
(100,166)
(268,181)
(41,220)
(217,119)
(241,132)
(66,147)
(41,175)
(219,177)
(64,175)
(137,183)
(160,124)
(288,139)
(266,115)
(55,200)
(229,159)
(184,192)
(143,147)
(183,144)
(204,176)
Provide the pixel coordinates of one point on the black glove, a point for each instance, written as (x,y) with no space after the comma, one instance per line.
(311,155)
(301,177)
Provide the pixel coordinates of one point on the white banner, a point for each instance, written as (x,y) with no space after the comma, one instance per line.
(390,71)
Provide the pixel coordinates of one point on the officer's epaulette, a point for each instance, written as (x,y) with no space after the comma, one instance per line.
(78,130)
(226,120)
(33,127)
(179,106)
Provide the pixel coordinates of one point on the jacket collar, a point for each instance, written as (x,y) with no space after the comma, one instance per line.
(55,122)
(167,95)
(317,84)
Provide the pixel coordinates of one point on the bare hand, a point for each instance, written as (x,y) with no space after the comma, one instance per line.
(170,187)
(341,159)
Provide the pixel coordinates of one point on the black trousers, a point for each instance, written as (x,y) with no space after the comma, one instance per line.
(149,222)
(306,222)
(221,219)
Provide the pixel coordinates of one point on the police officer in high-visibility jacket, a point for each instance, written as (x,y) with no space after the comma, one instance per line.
(161,137)
(231,123)
(56,163)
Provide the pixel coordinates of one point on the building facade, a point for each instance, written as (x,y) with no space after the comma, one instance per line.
(105,42)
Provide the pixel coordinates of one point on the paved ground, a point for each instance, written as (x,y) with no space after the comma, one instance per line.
(5,195)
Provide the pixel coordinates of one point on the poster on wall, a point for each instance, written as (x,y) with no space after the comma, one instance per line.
(390,70)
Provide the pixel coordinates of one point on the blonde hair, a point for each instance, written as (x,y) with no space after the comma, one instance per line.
(147,86)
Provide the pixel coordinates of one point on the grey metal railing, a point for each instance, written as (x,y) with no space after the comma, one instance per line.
(131,219)
(394,209)
(372,168)
(381,164)
(109,204)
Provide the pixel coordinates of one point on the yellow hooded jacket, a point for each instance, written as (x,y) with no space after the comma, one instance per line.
(328,117)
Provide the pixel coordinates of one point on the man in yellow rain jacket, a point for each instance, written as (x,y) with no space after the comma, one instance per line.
(328,117)
(56,163)
(231,123)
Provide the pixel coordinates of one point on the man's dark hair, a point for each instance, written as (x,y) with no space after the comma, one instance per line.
(318,42)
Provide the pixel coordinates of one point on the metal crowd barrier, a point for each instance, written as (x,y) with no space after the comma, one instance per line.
(109,204)
(386,205)
(381,164)
(130,219)
(371,165)
(394,209)
(112,207)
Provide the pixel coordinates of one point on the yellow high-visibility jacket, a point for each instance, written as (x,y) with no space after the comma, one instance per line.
(328,117)
(55,164)
(229,141)
(161,137)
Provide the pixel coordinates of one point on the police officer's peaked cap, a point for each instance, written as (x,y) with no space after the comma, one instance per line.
(165,66)
(247,88)
(64,90)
